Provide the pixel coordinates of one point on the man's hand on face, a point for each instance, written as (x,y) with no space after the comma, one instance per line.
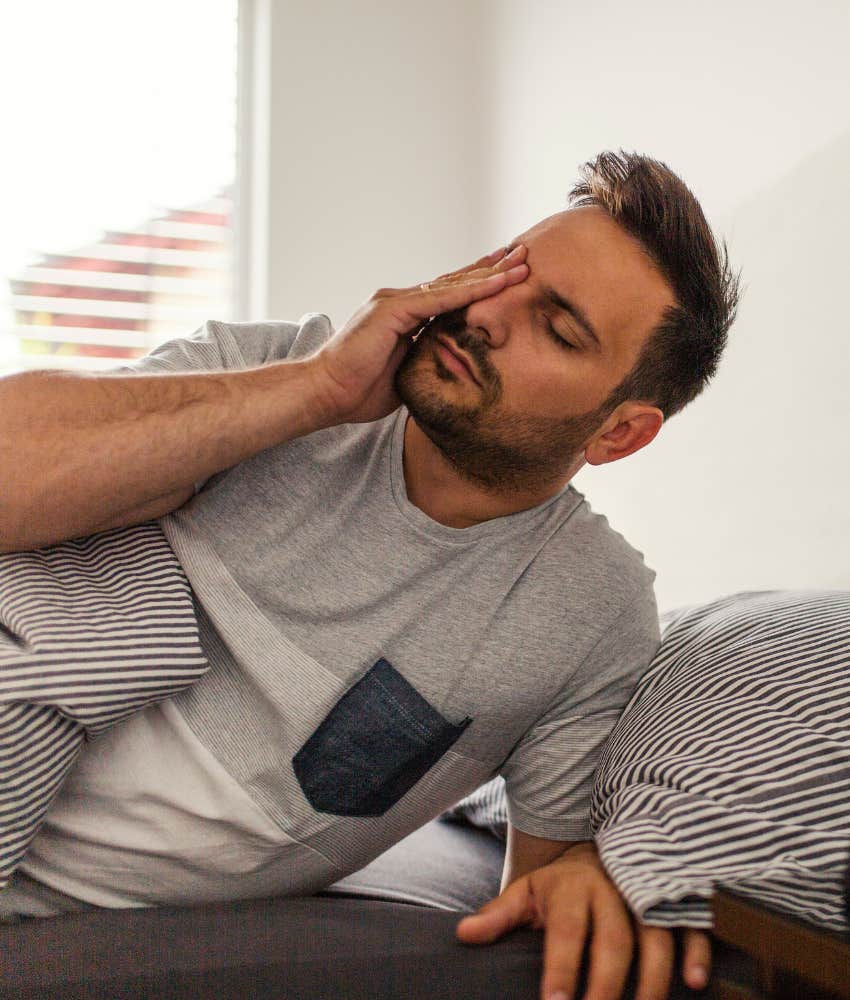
(353,372)
(573,898)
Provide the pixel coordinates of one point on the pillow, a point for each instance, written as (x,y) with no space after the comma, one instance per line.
(730,766)
(486,808)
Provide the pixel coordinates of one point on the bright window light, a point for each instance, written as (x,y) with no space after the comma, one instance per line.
(117,176)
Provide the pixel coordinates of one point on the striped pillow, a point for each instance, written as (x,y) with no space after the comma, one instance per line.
(730,766)
(486,808)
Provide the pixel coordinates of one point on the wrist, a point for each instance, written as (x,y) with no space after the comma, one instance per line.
(581,849)
(272,404)
(320,401)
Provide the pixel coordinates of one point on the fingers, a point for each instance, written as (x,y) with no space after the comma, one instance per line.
(567,920)
(404,309)
(488,260)
(696,959)
(416,305)
(570,910)
(516,256)
(656,952)
(513,908)
(487,265)
(610,949)
(569,900)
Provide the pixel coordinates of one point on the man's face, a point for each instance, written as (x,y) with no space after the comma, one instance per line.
(546,353)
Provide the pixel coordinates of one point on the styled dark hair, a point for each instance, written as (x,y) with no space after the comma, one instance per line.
(655,207)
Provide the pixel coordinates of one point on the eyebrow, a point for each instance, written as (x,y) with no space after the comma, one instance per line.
(558,300)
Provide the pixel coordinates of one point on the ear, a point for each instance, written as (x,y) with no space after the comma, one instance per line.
(628,429)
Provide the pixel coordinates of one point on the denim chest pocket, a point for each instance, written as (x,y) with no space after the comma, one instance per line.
(378,740)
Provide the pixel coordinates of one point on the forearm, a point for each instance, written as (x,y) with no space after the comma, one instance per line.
(80,451)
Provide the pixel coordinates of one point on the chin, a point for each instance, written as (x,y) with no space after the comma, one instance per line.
(427,394)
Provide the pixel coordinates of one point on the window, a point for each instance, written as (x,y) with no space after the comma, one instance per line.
(117,177)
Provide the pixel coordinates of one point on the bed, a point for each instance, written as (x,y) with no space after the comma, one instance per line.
(769,671)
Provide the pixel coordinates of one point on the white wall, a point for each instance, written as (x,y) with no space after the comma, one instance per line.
(405,138)
(748,487)
(729,93)
(368,119)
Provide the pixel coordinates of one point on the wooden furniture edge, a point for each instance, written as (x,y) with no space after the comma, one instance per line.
(777,941)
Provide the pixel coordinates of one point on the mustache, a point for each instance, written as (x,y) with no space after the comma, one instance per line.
(454,325)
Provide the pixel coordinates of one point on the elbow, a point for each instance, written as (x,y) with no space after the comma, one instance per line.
(10,545)
(11,542)
(19,529)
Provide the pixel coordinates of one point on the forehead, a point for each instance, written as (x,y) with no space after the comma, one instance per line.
(588,258)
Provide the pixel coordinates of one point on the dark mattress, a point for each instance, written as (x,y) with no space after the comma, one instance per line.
(385,932)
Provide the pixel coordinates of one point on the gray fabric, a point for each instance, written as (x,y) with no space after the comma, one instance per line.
(309,564)
(443,865)
(297,949)
(375,946)
(25,896)
(537,625)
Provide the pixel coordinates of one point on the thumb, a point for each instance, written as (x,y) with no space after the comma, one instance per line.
(513,908)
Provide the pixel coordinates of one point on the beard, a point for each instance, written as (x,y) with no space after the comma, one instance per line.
(497,450)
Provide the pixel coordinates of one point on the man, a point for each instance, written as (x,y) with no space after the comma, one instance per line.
(397,602)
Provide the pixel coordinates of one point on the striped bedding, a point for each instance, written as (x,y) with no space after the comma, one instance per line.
(91,630)
(730,767)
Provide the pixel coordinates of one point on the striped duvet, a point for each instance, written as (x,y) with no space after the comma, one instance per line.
(91,630)
(730,767)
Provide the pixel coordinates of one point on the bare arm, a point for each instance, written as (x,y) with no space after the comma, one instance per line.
(524,853)
(83,452)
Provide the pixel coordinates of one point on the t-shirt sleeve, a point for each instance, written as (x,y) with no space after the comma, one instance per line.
(549,774)
(218,346)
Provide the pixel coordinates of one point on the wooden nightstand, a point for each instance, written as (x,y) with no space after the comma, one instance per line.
(794,960)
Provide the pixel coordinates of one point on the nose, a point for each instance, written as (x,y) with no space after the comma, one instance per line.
(493,318)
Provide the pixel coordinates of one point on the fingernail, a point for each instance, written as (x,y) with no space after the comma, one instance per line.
(699,977)
(558,995)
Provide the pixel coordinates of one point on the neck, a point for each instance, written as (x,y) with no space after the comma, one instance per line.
(442,492)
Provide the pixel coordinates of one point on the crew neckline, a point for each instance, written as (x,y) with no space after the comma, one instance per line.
(506,524)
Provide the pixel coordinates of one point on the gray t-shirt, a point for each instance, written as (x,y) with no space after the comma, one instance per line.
(371,666)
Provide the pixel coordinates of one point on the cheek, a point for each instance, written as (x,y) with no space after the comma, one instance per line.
(549,390)
(527,372)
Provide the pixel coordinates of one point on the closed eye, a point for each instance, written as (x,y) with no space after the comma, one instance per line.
(553,333)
